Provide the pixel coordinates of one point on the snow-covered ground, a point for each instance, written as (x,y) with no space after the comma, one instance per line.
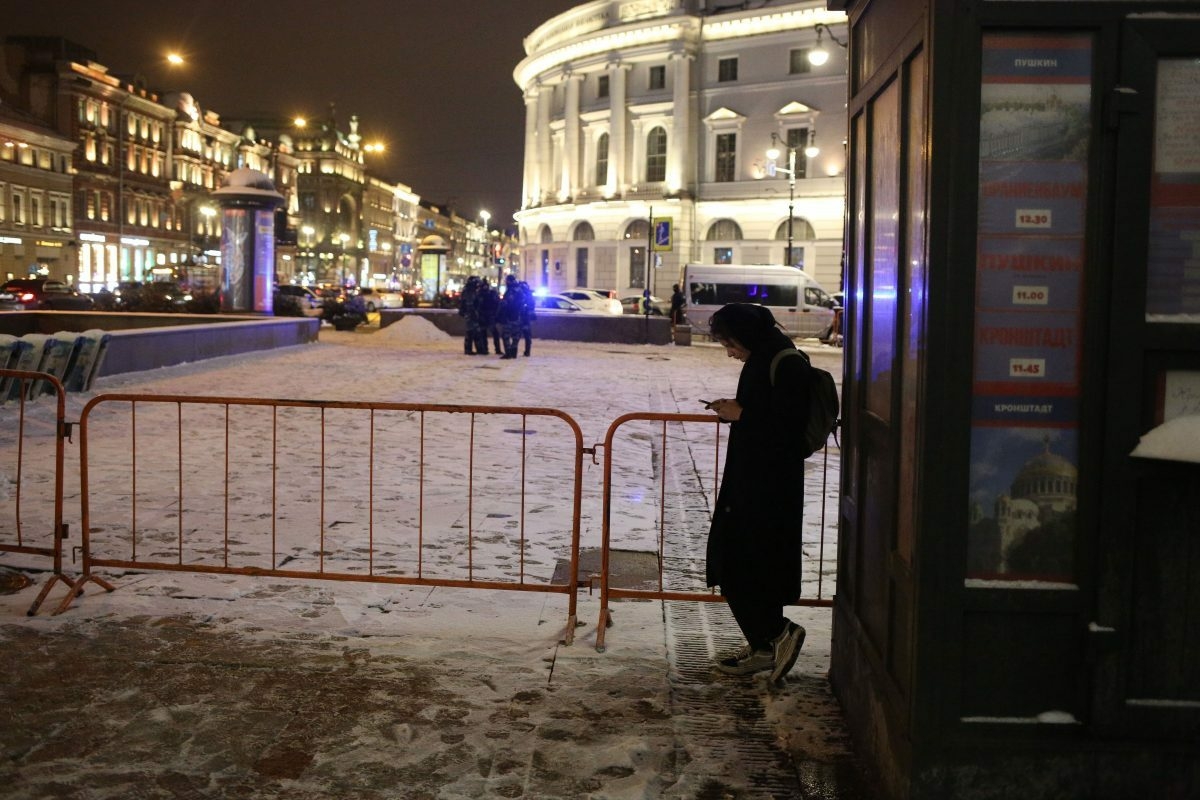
(447,495)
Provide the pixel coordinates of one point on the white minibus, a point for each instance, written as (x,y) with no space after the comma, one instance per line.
(801,306)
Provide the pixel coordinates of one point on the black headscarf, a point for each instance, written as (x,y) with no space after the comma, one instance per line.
(749,324)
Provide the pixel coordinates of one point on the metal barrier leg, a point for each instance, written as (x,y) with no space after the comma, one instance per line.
(37,604)
(77,590)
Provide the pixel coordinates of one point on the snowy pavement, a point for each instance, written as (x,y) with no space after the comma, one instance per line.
(186,685)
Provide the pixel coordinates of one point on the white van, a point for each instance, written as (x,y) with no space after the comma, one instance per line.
(799,303)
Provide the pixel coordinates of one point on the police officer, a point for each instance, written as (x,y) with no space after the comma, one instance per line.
(528,314)
(512,307)
(468,311)
(487,304)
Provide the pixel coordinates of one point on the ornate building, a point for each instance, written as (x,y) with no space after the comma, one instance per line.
(667,108)
(36,226)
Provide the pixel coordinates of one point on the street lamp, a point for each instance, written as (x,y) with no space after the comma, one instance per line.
(819,55)
(790,171)
(308,231)
(486,215)
(343,238)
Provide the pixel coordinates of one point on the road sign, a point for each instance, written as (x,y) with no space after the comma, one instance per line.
(662,234)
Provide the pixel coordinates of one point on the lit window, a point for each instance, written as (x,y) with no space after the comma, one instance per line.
(656,155)
(602,160)
(726,164)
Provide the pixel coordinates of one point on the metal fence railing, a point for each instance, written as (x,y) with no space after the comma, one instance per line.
(32,450)
(401,493)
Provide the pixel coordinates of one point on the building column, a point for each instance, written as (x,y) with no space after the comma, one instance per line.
(618,178)
(679,144)
(531,189)
(545,182)
(571,149)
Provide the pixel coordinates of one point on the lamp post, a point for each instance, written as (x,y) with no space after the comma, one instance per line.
(790,171)
(308,231)
(486,248)
(810,151)
(342,238)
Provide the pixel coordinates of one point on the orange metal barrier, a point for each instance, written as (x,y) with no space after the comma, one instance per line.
(28,463)
(686,491)
(397,493)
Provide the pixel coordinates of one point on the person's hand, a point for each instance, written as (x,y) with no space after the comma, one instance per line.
(728,410)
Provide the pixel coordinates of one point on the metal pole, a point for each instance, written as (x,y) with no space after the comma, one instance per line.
(649,250)
(791,199)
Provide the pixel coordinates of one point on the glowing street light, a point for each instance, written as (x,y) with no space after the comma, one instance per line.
(174,59)
(819,55)
(486,215)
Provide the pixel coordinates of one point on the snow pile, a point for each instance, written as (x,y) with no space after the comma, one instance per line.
(412,329)
(1175,440)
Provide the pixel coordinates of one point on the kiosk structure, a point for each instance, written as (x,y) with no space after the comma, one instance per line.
(1018,605)
(248,201)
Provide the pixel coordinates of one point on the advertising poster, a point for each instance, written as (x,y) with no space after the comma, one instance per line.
(235,235)
(264,259)
(1033,182)
(1173,260)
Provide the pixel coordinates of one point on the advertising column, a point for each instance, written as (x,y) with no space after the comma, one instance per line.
(1033,180)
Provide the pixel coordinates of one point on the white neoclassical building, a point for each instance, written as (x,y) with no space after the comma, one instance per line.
(666,110)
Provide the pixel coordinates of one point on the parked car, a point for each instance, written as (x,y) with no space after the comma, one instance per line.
(153,296)
(309,301)
(46,294)
(376,299)
(9,302)
(557,304)
(633,305)
(594,300)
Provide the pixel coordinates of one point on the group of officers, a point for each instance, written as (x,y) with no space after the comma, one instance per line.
(506,318)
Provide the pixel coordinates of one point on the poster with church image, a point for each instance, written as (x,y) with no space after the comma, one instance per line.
(1023,514)
(1035,132)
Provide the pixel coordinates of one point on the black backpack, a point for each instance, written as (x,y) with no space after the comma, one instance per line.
(822,402)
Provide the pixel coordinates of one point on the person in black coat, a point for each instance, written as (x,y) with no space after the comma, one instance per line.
(754,542)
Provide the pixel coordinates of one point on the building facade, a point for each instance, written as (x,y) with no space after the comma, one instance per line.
(36,225)
(665,110)
(106,181)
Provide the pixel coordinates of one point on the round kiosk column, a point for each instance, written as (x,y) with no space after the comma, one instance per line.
(248,201)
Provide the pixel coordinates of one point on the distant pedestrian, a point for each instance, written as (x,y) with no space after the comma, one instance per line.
(528,314)
(487,305)
(512,307)
(754,543)
(468,310)
(677,303)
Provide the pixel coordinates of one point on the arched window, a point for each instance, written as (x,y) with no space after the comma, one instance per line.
(545,237)
(725,230)
(656,155)
(584,232)
(801,230)
(602,160)
(638,230)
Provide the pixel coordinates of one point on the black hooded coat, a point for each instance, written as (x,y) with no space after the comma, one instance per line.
(754,543)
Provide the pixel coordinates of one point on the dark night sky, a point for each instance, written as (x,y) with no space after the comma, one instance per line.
(430,78)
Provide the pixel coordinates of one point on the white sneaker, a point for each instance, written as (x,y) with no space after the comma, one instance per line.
(747,661)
